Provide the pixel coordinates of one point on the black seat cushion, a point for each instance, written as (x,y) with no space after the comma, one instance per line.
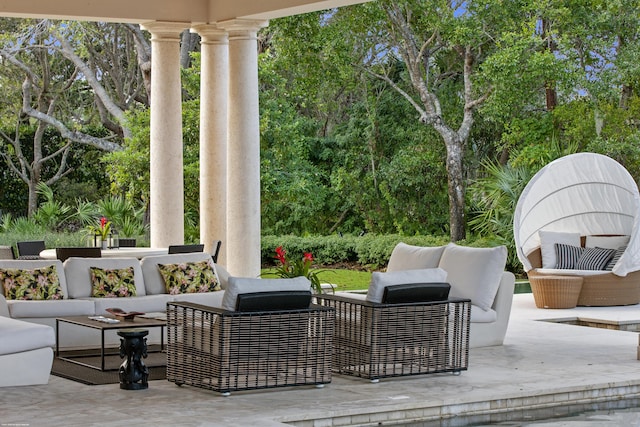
(273,301)
(415,292)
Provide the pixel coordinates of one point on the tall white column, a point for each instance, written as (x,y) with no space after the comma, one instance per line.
(214,87)
(243,174)
(166,199)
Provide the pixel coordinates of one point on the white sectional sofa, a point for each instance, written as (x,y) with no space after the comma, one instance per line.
(75,282)
(26,353)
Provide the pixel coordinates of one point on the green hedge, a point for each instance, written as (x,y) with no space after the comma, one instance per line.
(369,251)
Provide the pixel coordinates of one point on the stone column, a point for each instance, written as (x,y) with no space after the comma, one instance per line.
(243,174)
(214,88)
(166,198)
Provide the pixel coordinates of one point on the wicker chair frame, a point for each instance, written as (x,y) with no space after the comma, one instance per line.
(376,341)
(225,351)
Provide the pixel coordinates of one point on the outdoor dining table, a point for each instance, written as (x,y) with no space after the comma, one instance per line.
(137,252)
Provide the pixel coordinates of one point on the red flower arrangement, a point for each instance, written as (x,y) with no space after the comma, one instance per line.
(297,268)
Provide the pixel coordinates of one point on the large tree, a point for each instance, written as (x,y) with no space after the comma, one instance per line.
(442,45)
(73,76)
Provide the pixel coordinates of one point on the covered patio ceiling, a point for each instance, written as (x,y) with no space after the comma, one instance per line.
(229,112)
(138,11)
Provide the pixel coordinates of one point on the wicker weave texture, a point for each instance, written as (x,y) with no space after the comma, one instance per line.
(610,290)
(229,351)
(388,340)
(602,290)
(556,291)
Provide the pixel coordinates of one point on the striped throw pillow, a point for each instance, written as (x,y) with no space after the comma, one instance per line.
(567,255)
(616,257)
(594,258)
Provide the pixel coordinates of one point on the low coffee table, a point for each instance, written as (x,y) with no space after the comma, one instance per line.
(85,321)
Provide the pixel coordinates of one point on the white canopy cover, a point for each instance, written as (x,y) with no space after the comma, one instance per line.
(587,193)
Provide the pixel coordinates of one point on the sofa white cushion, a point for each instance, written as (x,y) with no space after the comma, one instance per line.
(409,257)
(17,336)
(547,248)
(380,280)
(145,304)
(479,315)
(566,272)
(153,281)
(244,285)
(78,274)
(39,309)
(24,264)
(474,273)
(211,299)
(607,242)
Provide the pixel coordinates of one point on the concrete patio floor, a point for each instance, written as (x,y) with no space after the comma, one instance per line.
(542,368)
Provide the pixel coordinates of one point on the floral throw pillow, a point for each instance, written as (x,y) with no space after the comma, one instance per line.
(112,283)
(38,284)
(189,277)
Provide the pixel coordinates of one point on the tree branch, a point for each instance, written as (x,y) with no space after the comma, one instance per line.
(398,89)
(75,136)
(98,89)
(21,65)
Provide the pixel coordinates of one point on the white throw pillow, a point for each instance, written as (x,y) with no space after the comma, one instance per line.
(547,241)
(606,242)
(409,257)
(381,280)
(474,273)
(245,285)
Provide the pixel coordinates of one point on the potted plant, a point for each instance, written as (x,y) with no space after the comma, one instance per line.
(297,268)
(100,233)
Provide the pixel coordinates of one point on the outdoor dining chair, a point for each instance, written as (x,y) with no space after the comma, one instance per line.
(30,249)
(82,252)
(215,250)
(184,249)
(127,242)
(6,252)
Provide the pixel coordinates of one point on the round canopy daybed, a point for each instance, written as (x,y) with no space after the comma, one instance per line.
(593,197)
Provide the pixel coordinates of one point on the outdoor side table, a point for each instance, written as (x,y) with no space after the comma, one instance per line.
(133,372)
(556,291)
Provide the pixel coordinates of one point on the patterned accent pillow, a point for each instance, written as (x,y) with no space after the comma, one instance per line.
(189,277)
(616,257)
(594,258)
(567,255)
(38,284)
(112,283)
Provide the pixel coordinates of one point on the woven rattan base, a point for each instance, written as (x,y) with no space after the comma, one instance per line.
(376,341)
(598,290)
(556,291)
(230,351)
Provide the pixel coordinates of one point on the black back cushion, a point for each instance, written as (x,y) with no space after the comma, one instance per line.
(273,301)
(415,292)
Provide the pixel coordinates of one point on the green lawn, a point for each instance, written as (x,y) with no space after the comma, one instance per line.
(345,280)
(353,280)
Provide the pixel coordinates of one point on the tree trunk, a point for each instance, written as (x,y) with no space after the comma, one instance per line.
(456,188)
(188,43)
(625,95)
(550,89)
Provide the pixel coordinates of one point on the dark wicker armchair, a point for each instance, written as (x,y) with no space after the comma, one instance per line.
(378,340)
(227,351)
